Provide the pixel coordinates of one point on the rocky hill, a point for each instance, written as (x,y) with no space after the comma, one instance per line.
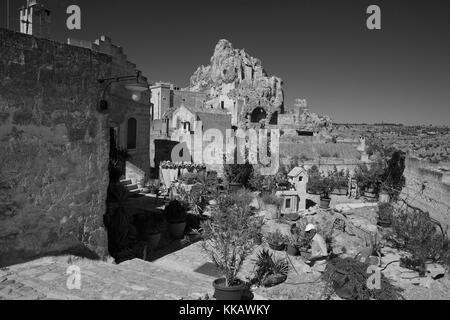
(237,74)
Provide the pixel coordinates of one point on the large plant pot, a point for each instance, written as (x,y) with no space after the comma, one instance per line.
(176,230)
(272,211)
(153,240)
(325,203)
(235,187)
(222,292)
(292,250)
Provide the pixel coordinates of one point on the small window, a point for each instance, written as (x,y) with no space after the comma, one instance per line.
(300,179)
(288,203)
(222,104)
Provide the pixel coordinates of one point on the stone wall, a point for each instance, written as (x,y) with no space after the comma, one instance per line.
(122,107)
(54,149)
(428,188)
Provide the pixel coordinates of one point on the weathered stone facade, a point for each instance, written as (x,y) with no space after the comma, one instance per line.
(54,148)
(123,108)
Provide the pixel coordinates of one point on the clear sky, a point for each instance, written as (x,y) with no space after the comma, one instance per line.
(321,49)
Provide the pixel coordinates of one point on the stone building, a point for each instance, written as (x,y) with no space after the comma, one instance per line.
(35,19)
(129,119)
(166,98)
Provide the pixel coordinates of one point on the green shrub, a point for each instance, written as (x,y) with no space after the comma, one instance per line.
(228,237)
(277,238)
(266,265)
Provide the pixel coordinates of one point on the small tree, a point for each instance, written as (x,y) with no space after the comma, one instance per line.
(238,173)
(228,236)
(393,178)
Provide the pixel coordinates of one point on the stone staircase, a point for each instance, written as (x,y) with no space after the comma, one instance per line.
(132,188)
(47,278)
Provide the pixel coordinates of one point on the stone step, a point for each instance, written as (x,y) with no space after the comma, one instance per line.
(126,181)
(131,187)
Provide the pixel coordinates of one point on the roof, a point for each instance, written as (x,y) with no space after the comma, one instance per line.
(296,171)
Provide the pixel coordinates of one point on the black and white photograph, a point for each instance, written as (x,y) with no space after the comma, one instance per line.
(225,156)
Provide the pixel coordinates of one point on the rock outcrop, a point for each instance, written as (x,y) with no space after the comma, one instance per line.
(237,75)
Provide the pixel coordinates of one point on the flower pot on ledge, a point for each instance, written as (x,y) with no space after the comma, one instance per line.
(324,203)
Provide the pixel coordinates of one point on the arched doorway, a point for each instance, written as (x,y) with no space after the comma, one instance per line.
(257,115)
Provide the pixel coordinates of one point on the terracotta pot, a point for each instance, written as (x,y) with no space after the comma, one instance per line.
(324,203)
(222,292)
(176,230)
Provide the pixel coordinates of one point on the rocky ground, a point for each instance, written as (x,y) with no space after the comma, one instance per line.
(186,273)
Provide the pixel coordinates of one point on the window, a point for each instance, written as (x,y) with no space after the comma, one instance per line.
(300,179)
(288,203)
(222,104)
(131,133)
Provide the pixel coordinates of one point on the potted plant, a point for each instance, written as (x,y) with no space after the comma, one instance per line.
(341,181)
(228,238)
(238,175)
(269,271)
(326,185)
(276,240)
(385,214)
(272,205)
(176,215)
(314,180)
